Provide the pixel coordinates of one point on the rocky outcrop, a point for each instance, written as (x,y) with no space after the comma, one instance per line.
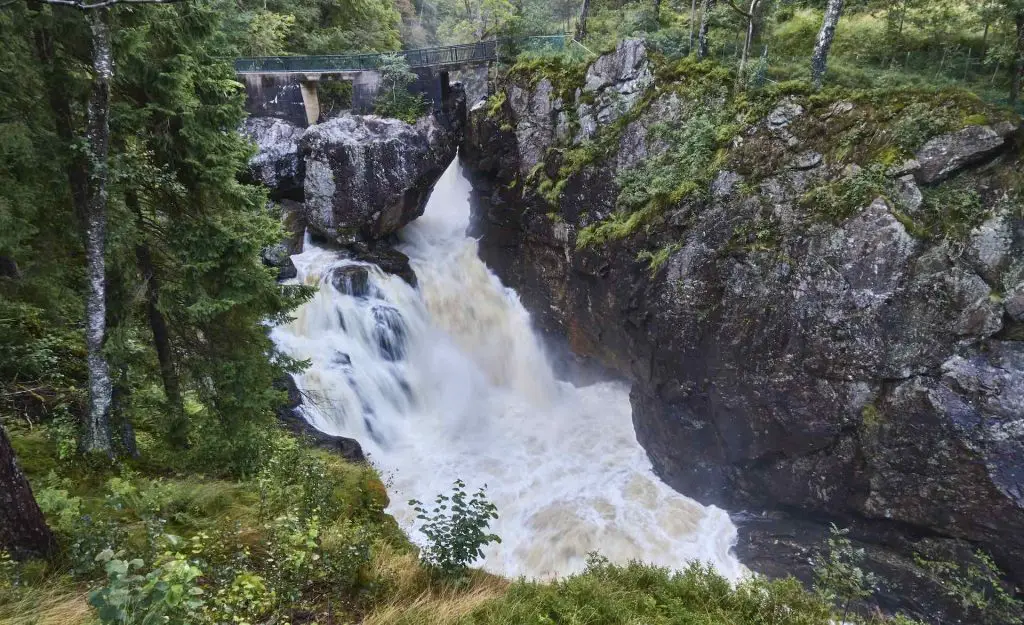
(277,164)
(947,154)
(291,417)
(366,177)
(800,359)
(354,180)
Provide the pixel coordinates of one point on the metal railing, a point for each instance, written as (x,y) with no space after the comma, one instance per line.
(464,54)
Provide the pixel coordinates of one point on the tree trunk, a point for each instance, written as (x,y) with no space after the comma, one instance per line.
(751,20)
(581,27)
(162,342)
(693,21)
(657,10)
(705,25)
(819,60)
(1018,59)
(23,530)
(96,436)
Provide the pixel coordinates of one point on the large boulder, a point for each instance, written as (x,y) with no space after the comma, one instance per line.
(946,154)
(367,176)
(277,164)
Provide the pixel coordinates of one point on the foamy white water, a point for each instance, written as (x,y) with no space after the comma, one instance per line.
(448,381)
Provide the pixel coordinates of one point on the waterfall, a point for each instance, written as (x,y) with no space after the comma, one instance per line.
(449,381)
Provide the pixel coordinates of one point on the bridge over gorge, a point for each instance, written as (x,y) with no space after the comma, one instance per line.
(298,88)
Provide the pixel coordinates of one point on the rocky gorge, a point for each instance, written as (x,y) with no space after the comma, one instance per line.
(817,297)
(821,314)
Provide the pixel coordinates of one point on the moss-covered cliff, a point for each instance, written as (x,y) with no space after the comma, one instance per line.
(819,297)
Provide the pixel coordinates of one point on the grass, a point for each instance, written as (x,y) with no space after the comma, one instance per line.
(54,603)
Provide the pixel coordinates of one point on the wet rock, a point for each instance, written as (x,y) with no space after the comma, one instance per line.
(351,280)
(277,164)
(278,256)
(291,417)
(388,259)
(367,176)
(943,156)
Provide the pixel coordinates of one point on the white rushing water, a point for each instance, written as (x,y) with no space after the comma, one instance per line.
(448,381)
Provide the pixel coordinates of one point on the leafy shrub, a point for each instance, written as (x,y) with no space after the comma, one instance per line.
(394,99)
(168,593)
(977,587)
(457,530)
(838,577)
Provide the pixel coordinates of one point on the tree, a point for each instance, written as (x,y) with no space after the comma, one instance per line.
(705,26)
(819,59)
(751,15)
(23,530)
(96,433)
(581,26)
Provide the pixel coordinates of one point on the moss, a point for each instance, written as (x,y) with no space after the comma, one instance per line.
(566,73)
(837,200)
(618,226)
(657,259)
(496,103)
(871,417)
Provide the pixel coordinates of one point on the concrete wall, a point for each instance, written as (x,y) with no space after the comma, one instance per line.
(293,96)
(274,95)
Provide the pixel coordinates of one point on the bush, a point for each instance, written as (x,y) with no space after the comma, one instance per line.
(394,99)
(457,530)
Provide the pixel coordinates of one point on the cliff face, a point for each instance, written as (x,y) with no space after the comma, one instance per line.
(819,298)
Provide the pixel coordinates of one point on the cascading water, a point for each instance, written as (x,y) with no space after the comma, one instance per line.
(449,381)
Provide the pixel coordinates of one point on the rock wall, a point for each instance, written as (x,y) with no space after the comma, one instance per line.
(823,330)
(353,180)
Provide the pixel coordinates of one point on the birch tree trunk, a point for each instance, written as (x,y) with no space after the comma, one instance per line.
(705,25)
(23,530)
(819,60)
(96,435)
(751,20)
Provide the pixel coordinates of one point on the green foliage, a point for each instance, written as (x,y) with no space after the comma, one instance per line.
(606,594)
(457,530)
(978,587)
(394,99)
(168,593)
(268,34)
(838,577)
(656,260)
(334,96)
(840,199)
(682,170)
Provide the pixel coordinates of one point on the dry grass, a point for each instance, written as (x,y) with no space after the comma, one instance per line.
(415,598)
(48,605)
